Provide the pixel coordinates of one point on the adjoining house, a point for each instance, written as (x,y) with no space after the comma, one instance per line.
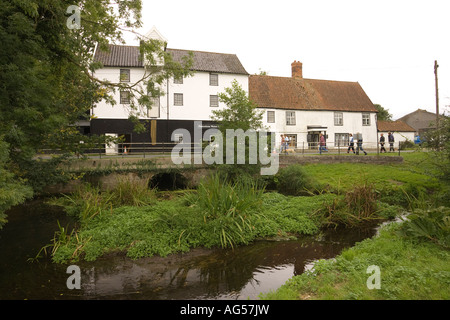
(402,132)
(421,120)
(185,101)
(303,108)
(298,107)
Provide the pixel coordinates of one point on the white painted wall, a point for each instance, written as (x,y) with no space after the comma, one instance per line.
(352,123)
(196,95)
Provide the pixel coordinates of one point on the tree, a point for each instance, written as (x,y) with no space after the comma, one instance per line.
(383,114)
(240,113)
(12,190)
(46,71)
(47,83)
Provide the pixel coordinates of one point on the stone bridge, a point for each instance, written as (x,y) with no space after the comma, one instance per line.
(161,172)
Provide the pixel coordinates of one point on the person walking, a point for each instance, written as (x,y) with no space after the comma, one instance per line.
(382,141)
(282,147)
(359,145)
(286,143)
(351,144)
(391,142)
(322,143)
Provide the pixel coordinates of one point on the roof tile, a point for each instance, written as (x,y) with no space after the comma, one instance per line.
(129,56)
(308,94)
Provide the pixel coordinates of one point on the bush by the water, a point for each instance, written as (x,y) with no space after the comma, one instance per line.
(294,180)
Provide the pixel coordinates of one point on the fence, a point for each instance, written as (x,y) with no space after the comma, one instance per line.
(147,149)
(313,148)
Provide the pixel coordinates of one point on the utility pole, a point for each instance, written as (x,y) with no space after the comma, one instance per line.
(436,66)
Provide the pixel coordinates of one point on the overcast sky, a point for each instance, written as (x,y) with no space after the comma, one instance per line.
(389,47)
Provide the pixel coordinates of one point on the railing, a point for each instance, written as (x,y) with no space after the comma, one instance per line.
(148,149)
(313,148)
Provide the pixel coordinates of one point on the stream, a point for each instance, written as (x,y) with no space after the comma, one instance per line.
(201,274)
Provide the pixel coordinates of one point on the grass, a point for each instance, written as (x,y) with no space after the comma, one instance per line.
(139,221)
(409,270)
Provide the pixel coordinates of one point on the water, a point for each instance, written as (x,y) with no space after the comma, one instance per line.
(217,274)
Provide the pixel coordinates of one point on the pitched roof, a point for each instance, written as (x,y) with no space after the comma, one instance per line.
(398,126)
(308,94)
(129,56)
(119,56)
(420,119)
(211,61)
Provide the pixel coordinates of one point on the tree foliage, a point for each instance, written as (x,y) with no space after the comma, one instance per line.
(47,82)
(240,113)
(383,114)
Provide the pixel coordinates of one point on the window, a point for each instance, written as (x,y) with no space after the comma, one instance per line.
(124,75)
(341,139)
(292,140)
(213,79)
(270,116)
(290,118)
(177,99)
(154,111)
(124,97)
(178,80)
(213,101)
(338,119)
(366,119)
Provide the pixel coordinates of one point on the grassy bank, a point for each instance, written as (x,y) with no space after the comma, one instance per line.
(139,221)
(408,269)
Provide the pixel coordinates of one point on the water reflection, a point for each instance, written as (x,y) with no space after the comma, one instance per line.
(241,273)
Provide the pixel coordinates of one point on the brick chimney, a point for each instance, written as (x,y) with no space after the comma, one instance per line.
(297,72)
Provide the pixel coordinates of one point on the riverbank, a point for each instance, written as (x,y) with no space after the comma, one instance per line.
(386,267)
(300,200)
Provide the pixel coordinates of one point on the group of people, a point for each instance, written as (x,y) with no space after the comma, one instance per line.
(351,144)
(390,140)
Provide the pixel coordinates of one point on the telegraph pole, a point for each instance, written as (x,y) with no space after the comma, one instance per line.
(436,66)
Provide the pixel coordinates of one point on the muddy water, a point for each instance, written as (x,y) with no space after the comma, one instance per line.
(218,274)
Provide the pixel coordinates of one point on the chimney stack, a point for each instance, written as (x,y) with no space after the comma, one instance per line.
(297,72)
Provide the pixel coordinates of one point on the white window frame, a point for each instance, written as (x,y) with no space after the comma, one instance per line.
(338,118)
(125,75)
(178,99)
(125,97)
(270,116)
(214,101)
(366,119)
(213,79)
(290,118)
(343,138)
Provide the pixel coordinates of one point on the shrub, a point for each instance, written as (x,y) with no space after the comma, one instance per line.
(432,225)
(294,180)
(231,203)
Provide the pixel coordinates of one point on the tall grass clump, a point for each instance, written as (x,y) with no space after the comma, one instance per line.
(294,180)
(233,205)
(354,207)
(89,201)
(129,192)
